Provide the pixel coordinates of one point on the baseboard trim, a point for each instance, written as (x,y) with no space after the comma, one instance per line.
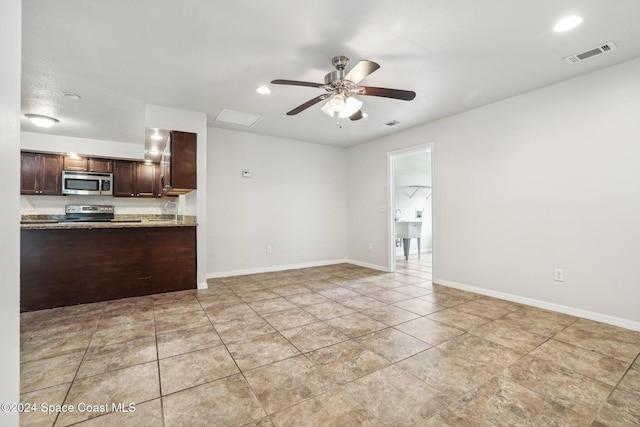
(203,285)
(367,265)
(271,269)
(604,318)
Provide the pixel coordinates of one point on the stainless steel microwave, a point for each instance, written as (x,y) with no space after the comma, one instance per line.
(87,183)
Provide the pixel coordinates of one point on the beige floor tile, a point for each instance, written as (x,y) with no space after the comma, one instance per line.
(257,295)
(631,380)
(289,319)
(449,375)
(501,331)
(148,414)
(242,329)
(390,296)
(356,324)
(390,315)
(271,305)
(169,322)
(474,349)
(135,384)
(482,308)
(227,313)
(35,416)
(44,346)
(314,336)
(397,398)
(226,402)
(122,332)
(600,343)
(362,302)
(594,365)
(412,291)
(44,373)
(445,299)
(126,314)
(559,385)
(621,409)
(308,299)
(478,372)
(537,321)
(419,306)
(328,310)
(259,351)
(392,344)
(458,319)
(107,358)
(345,362)
(333,408)
(428,330)
(285,383)
(195,368)
(186,340)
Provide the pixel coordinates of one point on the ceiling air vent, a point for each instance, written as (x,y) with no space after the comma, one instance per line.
(237,118)
(579,57)
(392,123)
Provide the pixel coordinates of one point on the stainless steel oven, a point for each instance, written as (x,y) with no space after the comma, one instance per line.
(87,183)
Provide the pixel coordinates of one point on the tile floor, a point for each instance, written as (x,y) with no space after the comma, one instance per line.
(337,346)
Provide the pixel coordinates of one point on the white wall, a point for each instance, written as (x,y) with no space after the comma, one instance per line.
(10,27)
(295,202)
(545,180)
(47,143)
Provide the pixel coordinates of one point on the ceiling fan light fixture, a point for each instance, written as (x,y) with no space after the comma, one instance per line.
(335,104)
(352,105)
(41,121)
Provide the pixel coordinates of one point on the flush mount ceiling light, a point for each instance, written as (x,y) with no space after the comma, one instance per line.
(41,121)
(566,24)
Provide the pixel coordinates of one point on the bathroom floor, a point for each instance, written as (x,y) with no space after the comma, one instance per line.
(338,345)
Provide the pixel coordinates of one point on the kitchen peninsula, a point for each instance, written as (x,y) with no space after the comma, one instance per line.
(64,263)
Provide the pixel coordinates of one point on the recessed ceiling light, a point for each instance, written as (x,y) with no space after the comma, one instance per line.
(568,23)
(263,90)
(41,121)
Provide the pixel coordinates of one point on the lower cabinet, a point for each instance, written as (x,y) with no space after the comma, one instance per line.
(76,266)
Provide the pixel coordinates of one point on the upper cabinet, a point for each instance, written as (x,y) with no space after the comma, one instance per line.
(88,164)
(178,166)
(40,173)
(135,179)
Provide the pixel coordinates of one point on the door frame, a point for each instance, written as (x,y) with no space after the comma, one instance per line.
(391,200)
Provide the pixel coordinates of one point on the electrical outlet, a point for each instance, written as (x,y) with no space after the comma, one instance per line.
(268,250)
(370,246)
(558,275)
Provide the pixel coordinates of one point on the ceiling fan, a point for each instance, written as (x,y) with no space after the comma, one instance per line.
(340,86)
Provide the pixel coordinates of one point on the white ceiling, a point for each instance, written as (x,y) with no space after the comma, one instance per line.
(210,55)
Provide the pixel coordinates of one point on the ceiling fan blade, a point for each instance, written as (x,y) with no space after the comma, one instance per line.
(296,83)
(356,116)
(361,70)
(405,95)
(307,104)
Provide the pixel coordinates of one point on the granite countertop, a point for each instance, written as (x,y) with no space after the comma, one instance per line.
(43,222)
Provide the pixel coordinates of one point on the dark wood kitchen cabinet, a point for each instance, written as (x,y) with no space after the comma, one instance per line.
(40,173)
(135,179)
(178,168)
(88,164)
(61,267)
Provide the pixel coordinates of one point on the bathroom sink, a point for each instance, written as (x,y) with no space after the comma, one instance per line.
(408,229)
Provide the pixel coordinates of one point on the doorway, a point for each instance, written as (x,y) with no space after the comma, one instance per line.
(411,211)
